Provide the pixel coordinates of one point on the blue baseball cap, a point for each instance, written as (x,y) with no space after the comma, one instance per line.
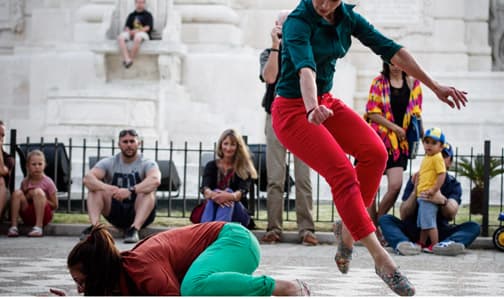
(448,150)
(436,134)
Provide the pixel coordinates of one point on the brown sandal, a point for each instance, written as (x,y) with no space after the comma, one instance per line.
(304,289)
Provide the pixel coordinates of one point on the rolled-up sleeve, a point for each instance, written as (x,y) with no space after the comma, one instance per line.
(375,40)
(296,41)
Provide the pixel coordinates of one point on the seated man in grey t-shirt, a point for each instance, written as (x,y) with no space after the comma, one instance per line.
(122,189)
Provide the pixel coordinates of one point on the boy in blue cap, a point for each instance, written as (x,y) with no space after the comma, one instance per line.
(431,177)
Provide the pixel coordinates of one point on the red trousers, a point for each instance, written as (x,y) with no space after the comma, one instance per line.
(325,147)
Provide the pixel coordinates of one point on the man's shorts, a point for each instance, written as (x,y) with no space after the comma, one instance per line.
(126,36)
(122,214)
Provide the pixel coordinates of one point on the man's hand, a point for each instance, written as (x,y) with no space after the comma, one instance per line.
(121,194)
(318,115)
(276,32)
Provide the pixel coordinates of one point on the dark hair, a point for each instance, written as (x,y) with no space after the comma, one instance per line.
(97,258)
(386,71)
(131,132)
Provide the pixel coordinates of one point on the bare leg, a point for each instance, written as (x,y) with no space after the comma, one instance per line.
(143,207)
(382,259)
(39,201)
(98,203)
(3,197)
(394,178)
(137,41)
(124,48)
(18,203)
(433,235)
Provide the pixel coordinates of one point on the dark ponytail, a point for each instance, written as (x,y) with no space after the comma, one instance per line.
(99,261)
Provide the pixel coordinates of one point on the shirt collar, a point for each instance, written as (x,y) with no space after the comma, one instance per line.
(346,9)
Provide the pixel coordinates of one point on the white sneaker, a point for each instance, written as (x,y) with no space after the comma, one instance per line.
(448,248)
(408,248)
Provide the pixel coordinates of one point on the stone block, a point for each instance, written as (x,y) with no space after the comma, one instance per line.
(223,34)
(476,10)
(52,25)
(445,9)
(256,26)
(144,68)
(476,33)
(449,32)
(480,63)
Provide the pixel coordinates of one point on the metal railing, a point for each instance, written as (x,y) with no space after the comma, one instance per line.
(189,161)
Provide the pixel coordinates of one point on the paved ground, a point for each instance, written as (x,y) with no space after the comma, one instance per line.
(31,266)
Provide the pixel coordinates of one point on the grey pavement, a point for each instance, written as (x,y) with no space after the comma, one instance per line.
(32,266)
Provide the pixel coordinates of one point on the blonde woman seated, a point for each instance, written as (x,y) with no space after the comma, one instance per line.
(227,179)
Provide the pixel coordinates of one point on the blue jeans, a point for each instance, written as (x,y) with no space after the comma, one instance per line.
(395,231)
(235,213)
(427,214)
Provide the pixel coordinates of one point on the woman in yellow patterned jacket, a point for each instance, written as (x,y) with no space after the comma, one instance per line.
(394,98)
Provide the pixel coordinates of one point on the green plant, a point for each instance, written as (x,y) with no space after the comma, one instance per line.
(475,170)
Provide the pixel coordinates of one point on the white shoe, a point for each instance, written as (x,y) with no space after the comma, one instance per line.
(448,248)
(408,248)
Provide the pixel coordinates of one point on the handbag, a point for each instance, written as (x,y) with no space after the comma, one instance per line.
(413,137)
(197,212)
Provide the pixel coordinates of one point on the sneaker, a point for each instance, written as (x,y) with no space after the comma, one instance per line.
(36,232)
(448,248)
(13,232)
(343,254)
(408,248)
(131,235)
(270,237)
(428,249)
(86,232)
(397,282)
(309,239)
(127,64)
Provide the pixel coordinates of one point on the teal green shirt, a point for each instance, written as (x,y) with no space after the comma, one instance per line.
(308,40)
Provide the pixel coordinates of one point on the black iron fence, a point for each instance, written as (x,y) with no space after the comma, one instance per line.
(182,166)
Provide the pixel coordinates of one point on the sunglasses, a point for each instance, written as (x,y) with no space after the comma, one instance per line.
(130,132)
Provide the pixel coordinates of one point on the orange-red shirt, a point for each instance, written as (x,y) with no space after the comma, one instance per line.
(157,265)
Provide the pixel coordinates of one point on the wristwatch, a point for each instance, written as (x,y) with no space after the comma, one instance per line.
(132,189)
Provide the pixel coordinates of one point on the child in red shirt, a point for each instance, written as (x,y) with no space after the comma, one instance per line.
(36,200)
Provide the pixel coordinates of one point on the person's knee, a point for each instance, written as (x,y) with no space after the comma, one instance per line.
(473,228)
(138,39)
(386,219)
(38,194)
(17,195)
(394,186)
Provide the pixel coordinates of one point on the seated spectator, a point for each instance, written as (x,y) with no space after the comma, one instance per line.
(207,259)
(227,179)
(123,189)
(402,235)
(138,28)
(36,200)
(6,165)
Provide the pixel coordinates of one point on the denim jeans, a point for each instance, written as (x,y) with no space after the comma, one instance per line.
(395,231)
(235,213)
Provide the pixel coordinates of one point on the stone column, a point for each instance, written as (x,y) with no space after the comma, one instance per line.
(12,22)
(209,23)
(476,35)
(497,34)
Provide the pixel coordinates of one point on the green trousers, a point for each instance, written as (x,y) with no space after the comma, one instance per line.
(225,268)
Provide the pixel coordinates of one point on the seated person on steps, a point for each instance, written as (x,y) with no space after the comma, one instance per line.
(138,28)
(123,189)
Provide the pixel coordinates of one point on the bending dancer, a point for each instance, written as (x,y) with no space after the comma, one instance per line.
(206,259)
(320,129)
